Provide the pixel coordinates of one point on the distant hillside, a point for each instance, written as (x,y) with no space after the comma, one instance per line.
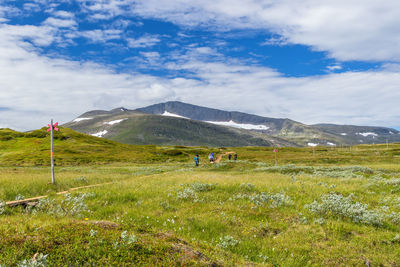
(135,127)
(214,115)
(286,129)
(292,131)
(362,134)
(73,148)
(177,123)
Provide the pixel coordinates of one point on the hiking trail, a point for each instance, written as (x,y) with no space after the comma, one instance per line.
(220,156)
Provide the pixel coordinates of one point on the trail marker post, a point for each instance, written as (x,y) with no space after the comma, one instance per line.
(275,151)
(52,127)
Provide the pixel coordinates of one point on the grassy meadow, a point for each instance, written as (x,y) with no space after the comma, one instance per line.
(328,207)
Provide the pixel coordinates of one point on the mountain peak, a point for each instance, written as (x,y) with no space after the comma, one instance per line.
(120,109)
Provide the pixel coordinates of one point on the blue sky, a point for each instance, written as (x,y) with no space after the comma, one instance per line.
(305,60)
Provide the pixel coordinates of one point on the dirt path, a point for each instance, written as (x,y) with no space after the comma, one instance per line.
(34,199)
(220,156)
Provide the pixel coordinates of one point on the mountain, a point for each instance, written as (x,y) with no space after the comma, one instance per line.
(135,127)
(215,116)
(292,131)
(177,123)
(362,134)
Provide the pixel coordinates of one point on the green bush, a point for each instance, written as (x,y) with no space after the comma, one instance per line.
(36,134)
(173,152)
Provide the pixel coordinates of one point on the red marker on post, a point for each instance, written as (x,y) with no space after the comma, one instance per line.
(52,127)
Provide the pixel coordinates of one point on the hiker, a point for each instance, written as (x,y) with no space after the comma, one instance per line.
(235,156)
(211,157)
(230,156)
(196,160)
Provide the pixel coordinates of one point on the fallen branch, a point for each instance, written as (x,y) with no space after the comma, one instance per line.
(15,203)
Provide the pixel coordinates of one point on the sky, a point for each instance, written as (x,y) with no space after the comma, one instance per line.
(312,61)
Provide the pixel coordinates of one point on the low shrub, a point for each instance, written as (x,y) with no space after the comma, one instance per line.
(36,134)
(73,205)
(38,260)
(274,200)
(344,207)
(227,242)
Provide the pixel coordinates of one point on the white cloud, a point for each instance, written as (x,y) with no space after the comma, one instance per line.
(100,10)
(60,23)
(344,28)
(98,35)
(151,55)
(64,14)
(144,41)
(334,67)
(276,41)
(32,7)
(151,58)
(41,88)
(8,11)
(40,36)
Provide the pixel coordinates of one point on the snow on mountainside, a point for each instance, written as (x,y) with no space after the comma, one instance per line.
(169,114)
(100,134)
(81,119)
(367,134)
(115,121)
(231,123)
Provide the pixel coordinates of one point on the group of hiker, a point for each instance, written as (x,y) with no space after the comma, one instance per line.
(211,158)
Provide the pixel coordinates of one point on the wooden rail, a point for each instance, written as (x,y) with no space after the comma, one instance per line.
(35,199)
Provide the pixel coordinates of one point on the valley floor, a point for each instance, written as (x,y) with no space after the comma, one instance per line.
(247,212)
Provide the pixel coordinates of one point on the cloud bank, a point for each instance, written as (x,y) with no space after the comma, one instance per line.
(35,87)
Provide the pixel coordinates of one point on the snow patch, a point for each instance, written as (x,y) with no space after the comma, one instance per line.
(100,134)
(312,144)
(114,122)
(331,144)
(81,119)
(367,134)
(343,134)
(391,132)
(169,114)
(231,123)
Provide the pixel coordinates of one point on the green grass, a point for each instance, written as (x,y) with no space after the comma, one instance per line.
(246,212)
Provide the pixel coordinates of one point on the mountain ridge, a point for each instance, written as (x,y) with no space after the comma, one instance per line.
(178,123)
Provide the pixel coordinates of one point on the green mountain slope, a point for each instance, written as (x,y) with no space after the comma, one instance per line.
(73,148)
(293,131)
(285,129)
(132,127)
(177,123)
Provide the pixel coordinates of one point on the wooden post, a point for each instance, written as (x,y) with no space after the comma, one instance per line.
(53,181)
